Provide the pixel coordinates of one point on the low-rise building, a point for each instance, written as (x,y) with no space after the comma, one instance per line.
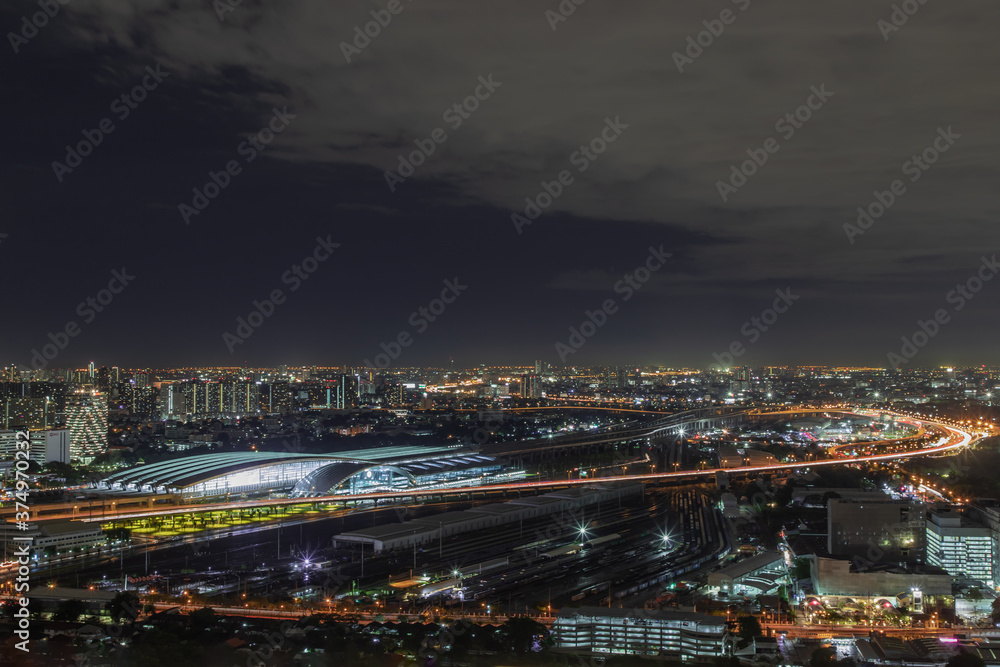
(679,634)
(757,575)
(835,578)
(51,538)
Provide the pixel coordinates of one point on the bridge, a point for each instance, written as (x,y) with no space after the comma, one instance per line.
(610,438)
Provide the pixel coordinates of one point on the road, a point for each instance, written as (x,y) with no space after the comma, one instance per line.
(955,439)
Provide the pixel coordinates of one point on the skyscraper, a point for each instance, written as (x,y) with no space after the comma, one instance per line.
(531,386)
(87,420)
(347,392)
(104,379)
(31,404)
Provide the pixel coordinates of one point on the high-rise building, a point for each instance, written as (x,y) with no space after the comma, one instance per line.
(531,386)
(104,379)
(616,376)
(172,403)
(87,420)
(392,393)
(221,398)
(135,400)
(274,398)
(538,367)
(31,404)
(347,392)
(959,547)
(91,372)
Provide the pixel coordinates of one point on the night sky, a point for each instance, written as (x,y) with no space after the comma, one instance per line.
(612,67)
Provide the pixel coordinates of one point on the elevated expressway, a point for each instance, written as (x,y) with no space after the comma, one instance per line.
(952,438)
(607,438)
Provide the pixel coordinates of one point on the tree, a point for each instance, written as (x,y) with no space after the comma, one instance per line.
(524,634)
(964,659)
(69,610)
(801,568)
(202,618)
(125,603)
(749,627)
(726,661)
(996,610)
(824,656)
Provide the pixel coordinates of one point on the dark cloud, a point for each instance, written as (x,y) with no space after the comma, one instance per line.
(657,183)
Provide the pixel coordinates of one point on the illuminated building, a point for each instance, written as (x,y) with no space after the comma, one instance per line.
(531,386)
(274,397)
(959,547)
(44,445)
(33,405)
(87,420)
(347,392)
(310,475)
(687,635)
(393,393)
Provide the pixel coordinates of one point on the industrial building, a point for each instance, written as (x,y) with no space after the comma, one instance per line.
(893,529)
(51,538)
(678,634)
(835,578)
(758,575)
(421,531)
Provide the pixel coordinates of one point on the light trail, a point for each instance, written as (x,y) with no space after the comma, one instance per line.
(956,438)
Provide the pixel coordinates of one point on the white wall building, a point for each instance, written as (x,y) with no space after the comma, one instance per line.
(959,547)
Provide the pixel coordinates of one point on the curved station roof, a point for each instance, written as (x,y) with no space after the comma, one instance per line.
(304,474)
